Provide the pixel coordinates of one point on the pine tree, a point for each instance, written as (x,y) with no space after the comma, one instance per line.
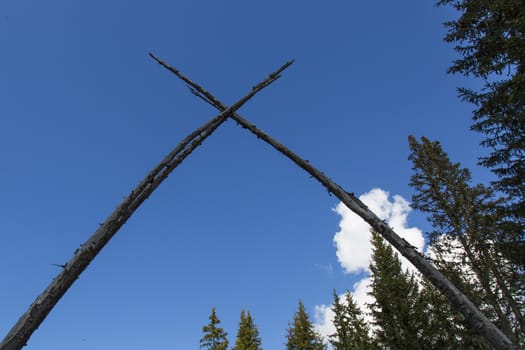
(466,236)
(248,335)
(490,38)
(442,326)
(214,337)
(397,314)
(351,330)
(301,334)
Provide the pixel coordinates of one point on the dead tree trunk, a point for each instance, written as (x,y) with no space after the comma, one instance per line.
(37,312)
(473,316)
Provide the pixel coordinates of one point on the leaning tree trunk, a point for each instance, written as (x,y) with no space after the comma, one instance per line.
(37,312)
(473,316)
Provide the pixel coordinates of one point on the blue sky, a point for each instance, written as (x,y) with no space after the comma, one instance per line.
(85,113)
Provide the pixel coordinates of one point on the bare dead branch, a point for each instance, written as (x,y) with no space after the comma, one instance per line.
(82,257)
(205,95)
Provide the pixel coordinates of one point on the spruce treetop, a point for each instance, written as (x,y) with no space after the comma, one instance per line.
(248,335)
(214,337)
(301,334)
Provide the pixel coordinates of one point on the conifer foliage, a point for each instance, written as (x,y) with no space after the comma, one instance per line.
(351,330)
(490,38)
(396,311)
(466,239)
(301,334)
(214,337)
(248,335)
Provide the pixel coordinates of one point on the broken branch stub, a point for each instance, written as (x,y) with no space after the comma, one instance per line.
(473,316)
(82,257)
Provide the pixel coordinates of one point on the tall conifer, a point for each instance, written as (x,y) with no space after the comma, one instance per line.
(466,236)
(214,337)
(248,335)
(301,334)
(397,314)
(490,39)
(351,331)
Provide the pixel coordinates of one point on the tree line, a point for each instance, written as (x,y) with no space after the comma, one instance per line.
(300,334)
(407,313)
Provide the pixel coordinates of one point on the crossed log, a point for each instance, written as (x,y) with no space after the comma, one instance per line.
(37,312)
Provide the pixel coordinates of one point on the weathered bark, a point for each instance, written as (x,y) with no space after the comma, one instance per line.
(82,257)
(473,316)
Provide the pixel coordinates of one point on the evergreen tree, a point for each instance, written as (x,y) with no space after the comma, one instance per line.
(397,313)
(490,38)
(466,236)
(351,330)
(301,334)
(442,326)
(248,335)
(214,337)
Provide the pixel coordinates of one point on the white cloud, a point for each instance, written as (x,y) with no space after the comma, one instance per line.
(326,268)
(352,241)
(361,296)
(354,250)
